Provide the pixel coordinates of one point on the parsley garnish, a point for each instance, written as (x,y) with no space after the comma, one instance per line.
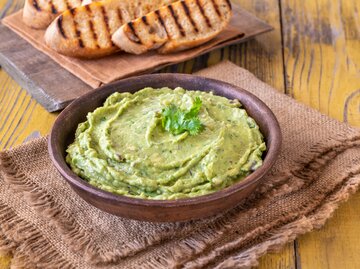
(177,121)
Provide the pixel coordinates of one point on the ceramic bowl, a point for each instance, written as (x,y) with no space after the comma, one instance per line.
(62,134)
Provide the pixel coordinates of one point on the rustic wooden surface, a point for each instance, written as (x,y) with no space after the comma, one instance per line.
(54,87)
(47,82)
(313,55)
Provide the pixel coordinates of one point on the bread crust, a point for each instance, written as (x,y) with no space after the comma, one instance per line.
(175,46)
(121,40)
(70,47)
(38,19)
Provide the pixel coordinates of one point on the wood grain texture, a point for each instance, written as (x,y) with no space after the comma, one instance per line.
(5,261)
(336,245)
(322,64)
(322,55)
(20,114)
(284,259)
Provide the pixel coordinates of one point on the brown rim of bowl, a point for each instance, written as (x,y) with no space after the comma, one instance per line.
(270,158)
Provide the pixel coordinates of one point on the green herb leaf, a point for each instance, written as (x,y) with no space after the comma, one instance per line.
(177,121)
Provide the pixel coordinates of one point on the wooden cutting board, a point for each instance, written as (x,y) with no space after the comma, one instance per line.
(45,80)
(53,86)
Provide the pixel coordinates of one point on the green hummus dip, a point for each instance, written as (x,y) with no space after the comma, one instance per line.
(123,147)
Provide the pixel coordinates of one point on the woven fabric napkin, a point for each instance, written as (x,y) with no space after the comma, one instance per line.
(242,26)
(46,224)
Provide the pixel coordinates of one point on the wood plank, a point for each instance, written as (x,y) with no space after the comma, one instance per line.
(263,57)
(322,56)
(284,259)
(5,261)
(336,245)
(20,115)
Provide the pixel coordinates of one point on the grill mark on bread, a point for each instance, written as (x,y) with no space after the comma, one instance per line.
(53,8)
(105,17)
(81,43)
(88,10)
(144,20)
(118,11)
(78,35)
(216,8)
(36,5)
(88,27)
(106,20)
(72,11)
(157,13)
(228,3)
(181,29)
(136,39)
(68,6)
(203,14)
(188,14)
(60,26)
(94,35)
(77,32)
(91,26)
(133,13)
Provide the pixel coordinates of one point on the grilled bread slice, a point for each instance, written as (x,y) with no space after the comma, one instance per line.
(40,13)
(178,26)
(86,31)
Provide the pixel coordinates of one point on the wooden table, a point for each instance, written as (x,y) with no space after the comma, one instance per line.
(313,55)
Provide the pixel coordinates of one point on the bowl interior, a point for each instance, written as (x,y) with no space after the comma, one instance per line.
(63,131)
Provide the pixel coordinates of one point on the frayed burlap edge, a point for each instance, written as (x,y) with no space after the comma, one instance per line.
(319,157)
(32,241)
(26,243)
(290,232)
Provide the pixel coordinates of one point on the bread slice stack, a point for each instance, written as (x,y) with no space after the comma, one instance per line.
(86,31)
(91,29)
(178,26)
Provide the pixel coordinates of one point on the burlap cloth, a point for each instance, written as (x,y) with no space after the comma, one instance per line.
(47,225)
(243,25)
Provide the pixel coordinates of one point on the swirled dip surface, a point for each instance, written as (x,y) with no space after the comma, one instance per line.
(123,148)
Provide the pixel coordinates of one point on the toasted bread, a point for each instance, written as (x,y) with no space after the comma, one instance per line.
(86,31)
(40,13)
(178,26)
